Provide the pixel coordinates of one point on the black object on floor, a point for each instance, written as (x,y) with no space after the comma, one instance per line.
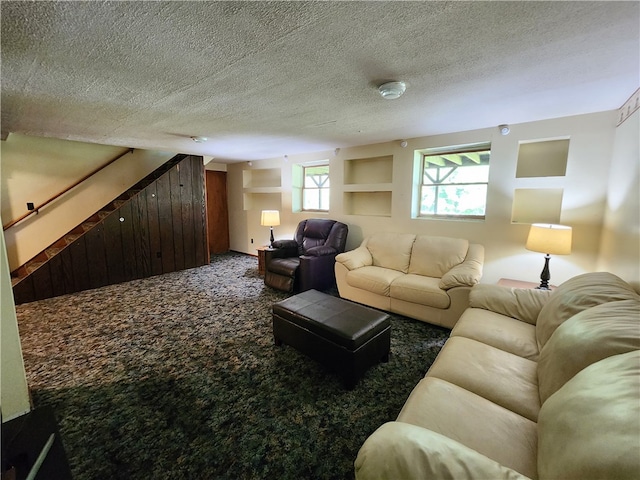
(342,335)
(31,444)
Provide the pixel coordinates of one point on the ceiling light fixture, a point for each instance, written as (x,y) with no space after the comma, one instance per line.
(392,90)
(199,139)
(504,129)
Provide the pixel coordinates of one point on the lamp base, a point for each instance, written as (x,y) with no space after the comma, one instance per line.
(545,276)
(271,238)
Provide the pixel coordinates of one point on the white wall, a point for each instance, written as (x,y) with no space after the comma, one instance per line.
(35,169)
(14,394)
(620,248)
(585,192)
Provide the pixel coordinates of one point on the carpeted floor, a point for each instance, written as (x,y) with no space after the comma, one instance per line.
(176,377)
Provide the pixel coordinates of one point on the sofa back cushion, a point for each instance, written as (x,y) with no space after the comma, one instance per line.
(589,428)
(578,294)
(434,256)
(391,250)
(588,337)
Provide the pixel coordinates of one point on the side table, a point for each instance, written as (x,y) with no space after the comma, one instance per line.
(261,259)
(509,282)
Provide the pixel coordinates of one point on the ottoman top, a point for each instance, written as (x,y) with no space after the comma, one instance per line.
(341,321)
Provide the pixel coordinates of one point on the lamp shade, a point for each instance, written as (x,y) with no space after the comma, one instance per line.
(549,238)
(270,218)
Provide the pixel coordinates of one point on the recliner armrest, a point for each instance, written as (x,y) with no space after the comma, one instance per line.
(320,251)
(285,244)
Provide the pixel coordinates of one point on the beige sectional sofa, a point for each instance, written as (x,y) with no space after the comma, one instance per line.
(420,276)
(530,384)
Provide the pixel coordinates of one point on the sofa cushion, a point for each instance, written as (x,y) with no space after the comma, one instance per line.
(492,430)
(391,250)
(501,377)
(399,450)
(587,337)
(434,256)
(376,280)
(499,331)
(577,294)
(420,290)
(590,428)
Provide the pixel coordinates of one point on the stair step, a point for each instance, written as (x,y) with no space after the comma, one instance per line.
(102,214)
(133,192)
(52,251)
(72,237)
(33,266)
(86,226)
(119,203)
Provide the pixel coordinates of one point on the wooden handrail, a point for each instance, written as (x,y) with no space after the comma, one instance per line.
(75,184)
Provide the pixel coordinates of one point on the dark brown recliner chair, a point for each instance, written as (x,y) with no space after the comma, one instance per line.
(308,260)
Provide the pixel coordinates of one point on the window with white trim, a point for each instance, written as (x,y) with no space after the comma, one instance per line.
(454,182)
(315,188)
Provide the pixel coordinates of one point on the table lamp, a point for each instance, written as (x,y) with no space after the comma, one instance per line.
(548,239)
(270,218)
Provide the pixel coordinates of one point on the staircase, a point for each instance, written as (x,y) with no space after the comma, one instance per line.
(127,238)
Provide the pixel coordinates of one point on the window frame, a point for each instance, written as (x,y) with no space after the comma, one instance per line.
(421,185)
(319,188)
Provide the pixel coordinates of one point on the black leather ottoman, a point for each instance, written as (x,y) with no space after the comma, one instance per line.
(344,336)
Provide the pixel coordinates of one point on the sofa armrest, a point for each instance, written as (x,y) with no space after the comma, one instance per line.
(523,304)
(468,273)
(360,257)
(402,450)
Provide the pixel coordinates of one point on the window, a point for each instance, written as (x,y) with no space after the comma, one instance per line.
(454,182)
(315,188)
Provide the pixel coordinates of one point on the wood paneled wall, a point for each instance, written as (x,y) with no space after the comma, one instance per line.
(160,229)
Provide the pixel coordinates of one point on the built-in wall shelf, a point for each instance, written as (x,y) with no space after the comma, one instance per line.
(262,189)
(540,159)
(368,186)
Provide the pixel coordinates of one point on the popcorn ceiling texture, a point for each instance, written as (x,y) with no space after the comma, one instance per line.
(177,376)
(263,79)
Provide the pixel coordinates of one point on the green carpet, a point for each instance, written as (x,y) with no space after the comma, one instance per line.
(176,377)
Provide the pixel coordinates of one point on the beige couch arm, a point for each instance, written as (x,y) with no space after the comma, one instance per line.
(360,257)
(467,273)
(400,450)
(521,303)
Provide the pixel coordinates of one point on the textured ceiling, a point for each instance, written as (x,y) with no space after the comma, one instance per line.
(265,79)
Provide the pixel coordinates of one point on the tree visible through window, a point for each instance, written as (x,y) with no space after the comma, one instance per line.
(454,183)
(315,190)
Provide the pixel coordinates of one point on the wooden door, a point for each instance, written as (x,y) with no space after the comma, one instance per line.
(217,212)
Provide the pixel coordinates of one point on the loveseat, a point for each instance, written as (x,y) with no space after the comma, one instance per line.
(531,384)
(420,276)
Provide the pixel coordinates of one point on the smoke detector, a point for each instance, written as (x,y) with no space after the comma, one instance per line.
(392,90)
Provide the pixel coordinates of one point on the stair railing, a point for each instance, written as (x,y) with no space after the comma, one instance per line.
(75,184)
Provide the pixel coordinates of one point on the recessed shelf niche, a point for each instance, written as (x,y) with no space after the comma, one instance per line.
(261,178)
(542,159)
(262,189)
(537,205)
(374,170)
(367,203)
